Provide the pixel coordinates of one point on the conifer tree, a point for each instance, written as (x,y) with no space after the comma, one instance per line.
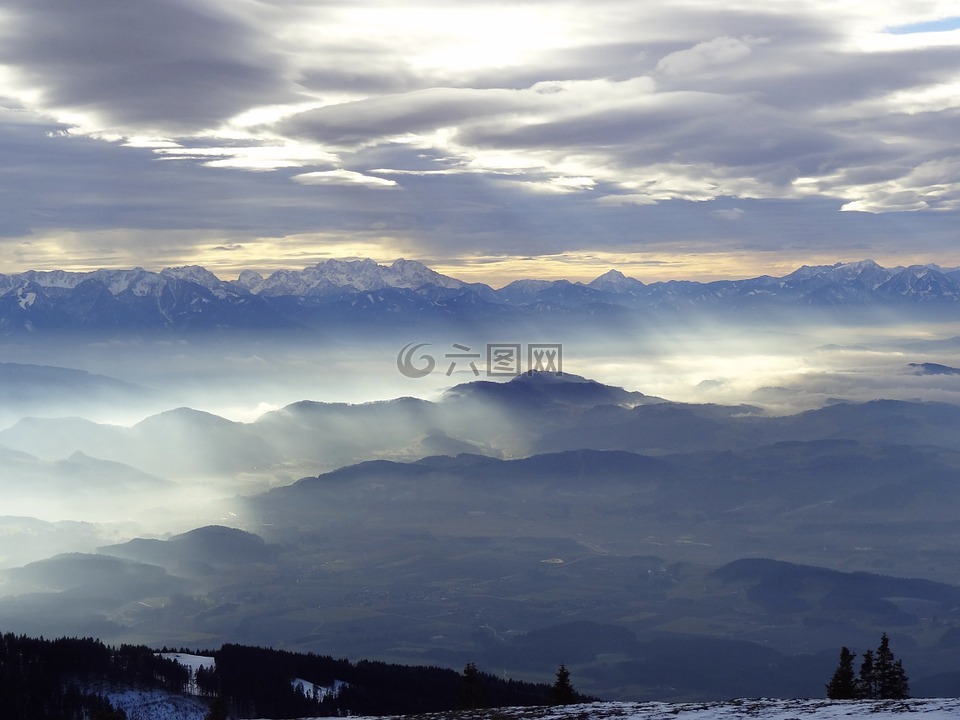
(867,682)
(562,692)
(843,684)
(891,681)
(900,687)
(881,675)
(471,697)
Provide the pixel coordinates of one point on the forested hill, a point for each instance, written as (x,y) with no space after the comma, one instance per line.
(73,679)
(67,678)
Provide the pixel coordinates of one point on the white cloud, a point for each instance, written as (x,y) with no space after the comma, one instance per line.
(932,185)
(704,56)
(251,156)
(561,185)
(342,177)
(620,200)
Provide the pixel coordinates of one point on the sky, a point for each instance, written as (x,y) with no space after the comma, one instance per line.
(489,140)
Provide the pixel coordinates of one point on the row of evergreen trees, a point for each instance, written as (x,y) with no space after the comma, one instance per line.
(881,676)
(69,678)
(472,695)
(66,679)
(255,682)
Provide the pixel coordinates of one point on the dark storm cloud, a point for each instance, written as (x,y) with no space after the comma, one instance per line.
(155,64)
(50,180)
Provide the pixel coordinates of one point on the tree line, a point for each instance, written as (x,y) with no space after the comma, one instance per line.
(256,682)
(69,678)
(881,676)
(66,679)
(475,685)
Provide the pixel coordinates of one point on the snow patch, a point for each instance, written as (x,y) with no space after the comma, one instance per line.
(194,662)
(319,691)
(26,299)
(157,705)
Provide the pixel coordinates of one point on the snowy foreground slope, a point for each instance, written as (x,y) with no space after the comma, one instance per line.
(166,706)
(763,709)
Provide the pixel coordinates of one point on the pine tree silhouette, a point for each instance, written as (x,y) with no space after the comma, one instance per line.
(867,682)
(562,692)
(843,684)
(881,676)
(471,696)
(891,681)
(900,687)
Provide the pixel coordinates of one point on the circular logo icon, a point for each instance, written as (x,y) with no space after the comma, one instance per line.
(405,361)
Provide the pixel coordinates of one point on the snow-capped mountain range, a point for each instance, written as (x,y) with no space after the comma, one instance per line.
(332,290)
(334,276)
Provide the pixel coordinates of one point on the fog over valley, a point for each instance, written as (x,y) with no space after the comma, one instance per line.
(748,481)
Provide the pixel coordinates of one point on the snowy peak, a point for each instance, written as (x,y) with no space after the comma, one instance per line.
(204,278)
(868,273)
(841,271)
(54,278)
(412,274)
(523,291)
(841,283)
(325,278)
(195,274)
(808,271)
(615,281)
(330,277)
(138,281)
(921,282)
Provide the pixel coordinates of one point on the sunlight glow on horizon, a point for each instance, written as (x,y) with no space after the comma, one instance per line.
(227,260)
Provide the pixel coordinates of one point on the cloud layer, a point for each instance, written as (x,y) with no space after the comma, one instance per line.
(478,131)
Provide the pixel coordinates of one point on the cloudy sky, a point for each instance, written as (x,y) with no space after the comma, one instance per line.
(490,140)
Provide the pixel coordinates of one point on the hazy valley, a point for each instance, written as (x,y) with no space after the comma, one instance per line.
(693,509)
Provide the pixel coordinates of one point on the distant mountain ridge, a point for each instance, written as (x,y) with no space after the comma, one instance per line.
(338,291)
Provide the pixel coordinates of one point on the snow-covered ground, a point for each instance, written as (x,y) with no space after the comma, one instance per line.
(160,705)
(194,662)
(157,705)
(764,709)
(321,691)
(756,709)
